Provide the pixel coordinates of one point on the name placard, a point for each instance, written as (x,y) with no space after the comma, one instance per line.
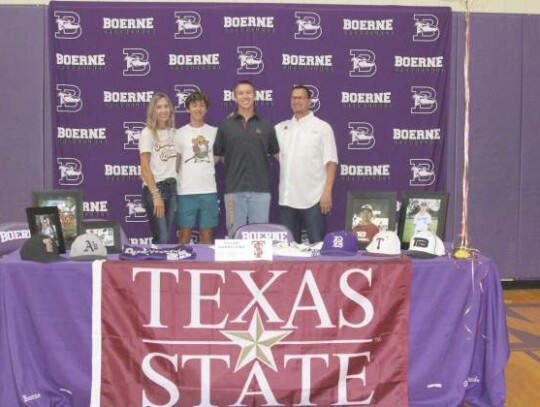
(242,249)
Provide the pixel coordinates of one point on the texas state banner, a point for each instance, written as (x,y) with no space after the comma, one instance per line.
(251,334)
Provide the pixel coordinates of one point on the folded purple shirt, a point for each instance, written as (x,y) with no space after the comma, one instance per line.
(178,252)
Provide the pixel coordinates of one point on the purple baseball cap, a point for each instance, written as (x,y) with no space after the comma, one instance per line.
(12,236)
(340,243)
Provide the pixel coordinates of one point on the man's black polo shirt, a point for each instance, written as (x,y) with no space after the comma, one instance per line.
(246,148)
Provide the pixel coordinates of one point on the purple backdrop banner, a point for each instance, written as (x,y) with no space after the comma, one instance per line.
(379,76)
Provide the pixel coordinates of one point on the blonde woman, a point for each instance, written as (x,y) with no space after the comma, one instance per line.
(158,167)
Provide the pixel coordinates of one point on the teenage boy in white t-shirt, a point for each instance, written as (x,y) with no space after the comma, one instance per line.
(196,186)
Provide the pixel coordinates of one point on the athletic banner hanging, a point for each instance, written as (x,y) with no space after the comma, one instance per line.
(378,74)
(281,333)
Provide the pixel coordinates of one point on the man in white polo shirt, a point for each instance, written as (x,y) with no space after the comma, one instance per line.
(308,161)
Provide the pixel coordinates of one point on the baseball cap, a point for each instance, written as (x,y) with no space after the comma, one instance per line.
(426,245)
(12,236)
(88,247)
(41,248)
(340,243)
(386,242)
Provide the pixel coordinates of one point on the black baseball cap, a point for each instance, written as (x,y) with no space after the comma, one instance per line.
(41,248)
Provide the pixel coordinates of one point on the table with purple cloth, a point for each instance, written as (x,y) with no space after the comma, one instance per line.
(458,341)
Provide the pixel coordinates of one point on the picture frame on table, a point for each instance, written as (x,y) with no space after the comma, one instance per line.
(70,209)
(108,231)
(422,211)
(46,220)
(369,213)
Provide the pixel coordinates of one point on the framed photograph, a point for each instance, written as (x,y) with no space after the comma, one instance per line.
(69,203)
(368,213)
(107,230)
(46,220)
(421,211)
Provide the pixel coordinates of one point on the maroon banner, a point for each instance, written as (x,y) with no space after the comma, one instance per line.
(267,333)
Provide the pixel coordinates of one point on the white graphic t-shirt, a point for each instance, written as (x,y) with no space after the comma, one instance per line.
(197,172)
(162,153)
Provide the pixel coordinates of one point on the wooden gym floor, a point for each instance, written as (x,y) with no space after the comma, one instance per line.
(523,369)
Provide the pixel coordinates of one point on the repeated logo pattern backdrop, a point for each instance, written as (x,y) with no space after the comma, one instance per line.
(379,76)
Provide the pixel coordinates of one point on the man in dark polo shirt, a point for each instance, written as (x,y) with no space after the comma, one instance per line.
(244,142)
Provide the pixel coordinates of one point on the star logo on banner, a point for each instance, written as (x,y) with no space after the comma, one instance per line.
(256,343)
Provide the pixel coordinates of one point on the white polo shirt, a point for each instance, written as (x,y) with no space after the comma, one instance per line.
(305,147)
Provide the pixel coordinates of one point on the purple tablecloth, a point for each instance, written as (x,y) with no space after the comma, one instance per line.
(458,341)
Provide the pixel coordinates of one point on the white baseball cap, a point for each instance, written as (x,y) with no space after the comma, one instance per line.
(386,242)
(426,245)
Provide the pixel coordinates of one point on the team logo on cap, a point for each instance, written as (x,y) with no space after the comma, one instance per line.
(135,209)
(423,172)
(424,100)
(9,235)
(181,92)
(69,98)
(337,241)
(68,25)
(308,25)
(70,171)
(385,242)
(363,63)
(362,136)
(250,59)
(426,28)
(420,242)
(133,130)
(188,25)
(90,246)
(137,62)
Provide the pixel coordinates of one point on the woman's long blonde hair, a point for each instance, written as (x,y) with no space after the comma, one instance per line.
(151,121)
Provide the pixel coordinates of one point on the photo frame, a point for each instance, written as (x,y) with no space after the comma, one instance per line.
(422,211)
(46,220)
(369,213)
(70,208)
(108,231)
